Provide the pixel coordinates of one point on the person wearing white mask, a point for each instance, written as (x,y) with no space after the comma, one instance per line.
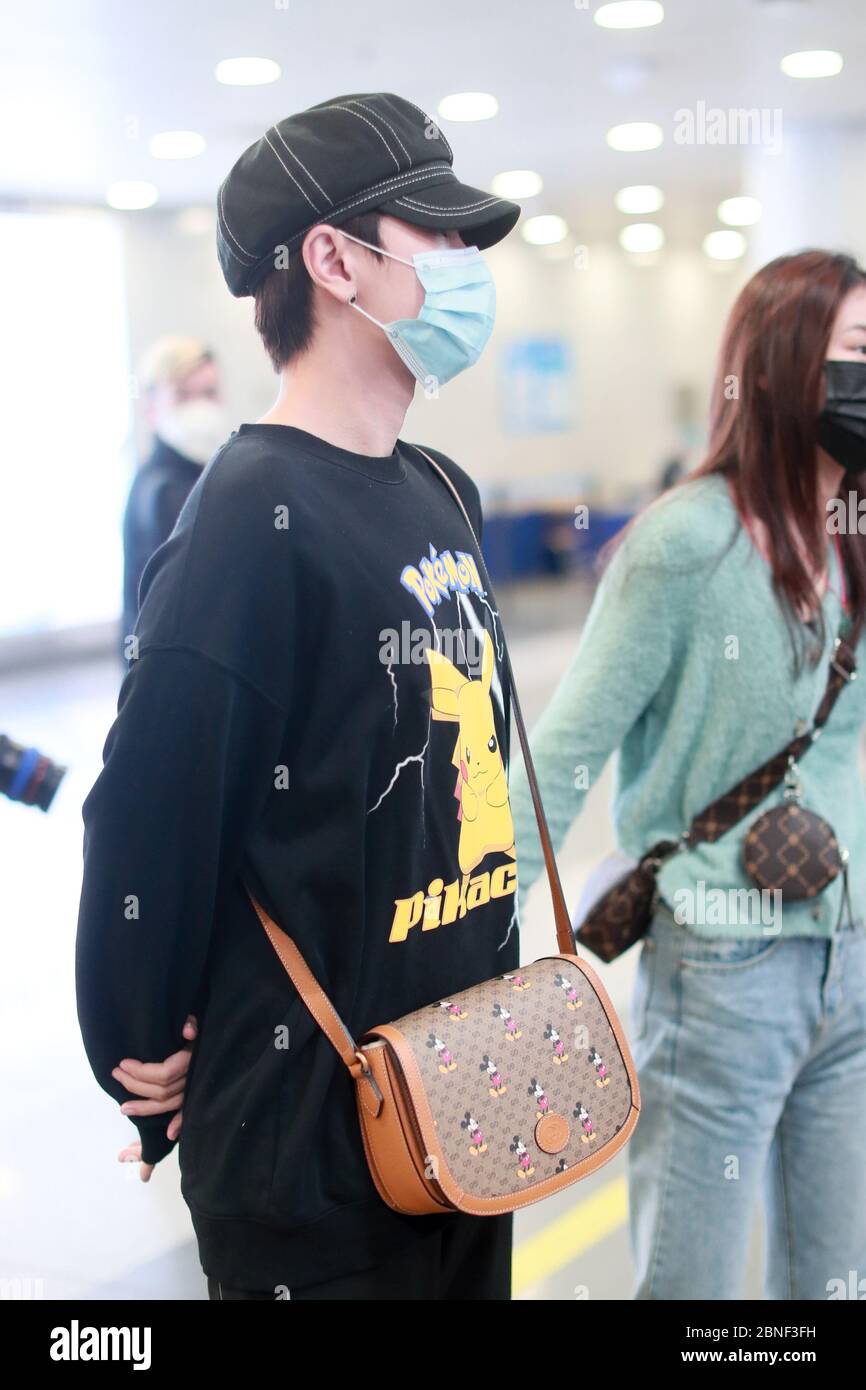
(182,407)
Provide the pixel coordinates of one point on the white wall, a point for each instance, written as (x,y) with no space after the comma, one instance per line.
(813,192)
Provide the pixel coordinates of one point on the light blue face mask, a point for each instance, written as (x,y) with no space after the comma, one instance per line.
(455,320)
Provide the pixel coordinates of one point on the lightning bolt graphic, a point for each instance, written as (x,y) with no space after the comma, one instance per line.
(413,758)
(393,681)
(474,622)
(512,923)
(494,615)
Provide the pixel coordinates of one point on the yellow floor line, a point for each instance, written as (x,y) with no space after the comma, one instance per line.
(562,1240)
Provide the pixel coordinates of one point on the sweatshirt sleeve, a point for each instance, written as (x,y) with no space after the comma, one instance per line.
(623,655)
(188,764)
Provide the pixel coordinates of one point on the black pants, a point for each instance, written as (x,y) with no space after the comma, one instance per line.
(469,1259)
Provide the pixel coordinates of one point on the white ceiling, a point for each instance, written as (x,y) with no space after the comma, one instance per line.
(84,86)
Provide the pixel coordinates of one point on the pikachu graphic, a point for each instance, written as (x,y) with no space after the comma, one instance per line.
(482,790)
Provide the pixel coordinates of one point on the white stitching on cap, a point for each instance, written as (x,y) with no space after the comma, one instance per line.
(403,180)
(375,129)
(428,120)
(429,207)
(278,156)
(249,254)
(390,127)
(409,176)
(302,164)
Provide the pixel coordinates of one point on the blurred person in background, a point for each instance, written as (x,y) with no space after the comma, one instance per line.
(750,1047)
(182,406)
(672,471)
(264,739)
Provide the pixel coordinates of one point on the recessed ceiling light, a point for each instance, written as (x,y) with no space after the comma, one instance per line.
(247,72)
(639,198)
(817,62)
(642,236)
(636,135)
(177,144)
(517,183)
(130,195)
(629,14)
(468,106)
(724,246)
(739,212)
(543,231)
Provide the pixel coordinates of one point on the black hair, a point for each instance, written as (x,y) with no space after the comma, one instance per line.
(284,314)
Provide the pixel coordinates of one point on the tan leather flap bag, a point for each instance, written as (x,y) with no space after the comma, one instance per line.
(501,1094)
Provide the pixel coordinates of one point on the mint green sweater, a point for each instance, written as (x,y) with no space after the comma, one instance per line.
(685,667)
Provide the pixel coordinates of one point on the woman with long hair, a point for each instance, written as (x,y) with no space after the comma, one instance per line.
(706,651)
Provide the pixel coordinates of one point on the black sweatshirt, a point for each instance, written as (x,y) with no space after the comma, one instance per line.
(287,724)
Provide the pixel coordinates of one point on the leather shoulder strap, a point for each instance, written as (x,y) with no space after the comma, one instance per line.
(302,977)
(311,993)
(723,814)
(564,931)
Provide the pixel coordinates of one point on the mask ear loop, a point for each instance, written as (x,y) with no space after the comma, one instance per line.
(352,302)
(380,250)
(403,350)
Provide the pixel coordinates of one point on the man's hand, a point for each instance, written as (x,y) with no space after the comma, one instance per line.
(132,1154)
(161,1086)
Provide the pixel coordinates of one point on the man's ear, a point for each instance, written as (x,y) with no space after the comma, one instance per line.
(329,261)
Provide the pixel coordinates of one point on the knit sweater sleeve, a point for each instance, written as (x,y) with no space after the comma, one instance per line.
(624,653)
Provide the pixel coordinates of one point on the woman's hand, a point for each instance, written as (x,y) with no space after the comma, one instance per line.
(160,1086)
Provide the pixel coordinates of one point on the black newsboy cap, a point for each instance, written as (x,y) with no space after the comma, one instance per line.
(350,155)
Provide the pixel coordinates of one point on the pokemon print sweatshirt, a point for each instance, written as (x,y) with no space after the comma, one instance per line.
(292,720)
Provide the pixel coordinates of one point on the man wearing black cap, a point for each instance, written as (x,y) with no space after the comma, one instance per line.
(280,730)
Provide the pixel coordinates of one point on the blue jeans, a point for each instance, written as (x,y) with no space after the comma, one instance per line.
(751,1059)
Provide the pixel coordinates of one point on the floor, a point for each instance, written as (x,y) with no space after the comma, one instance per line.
(71,1216)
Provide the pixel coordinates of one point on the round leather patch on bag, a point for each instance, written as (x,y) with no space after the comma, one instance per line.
(551,1132)
(793,851)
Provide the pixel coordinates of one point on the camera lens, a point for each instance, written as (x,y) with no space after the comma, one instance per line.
(26,775)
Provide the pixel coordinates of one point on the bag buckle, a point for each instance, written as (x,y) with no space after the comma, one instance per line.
(840,670)
(367,1075)
(793,786)
(655,861)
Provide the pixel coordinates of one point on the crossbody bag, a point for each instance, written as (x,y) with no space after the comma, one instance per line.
(789,849)
(502,1094)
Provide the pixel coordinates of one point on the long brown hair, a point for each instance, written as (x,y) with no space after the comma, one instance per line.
(763,425)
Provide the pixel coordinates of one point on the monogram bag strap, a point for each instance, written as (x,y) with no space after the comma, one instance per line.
(564,930)
(724,813)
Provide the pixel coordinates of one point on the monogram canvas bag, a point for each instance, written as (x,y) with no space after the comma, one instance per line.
(789,849)
(501,1094)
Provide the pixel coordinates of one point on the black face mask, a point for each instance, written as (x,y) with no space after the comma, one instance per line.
(842,422)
